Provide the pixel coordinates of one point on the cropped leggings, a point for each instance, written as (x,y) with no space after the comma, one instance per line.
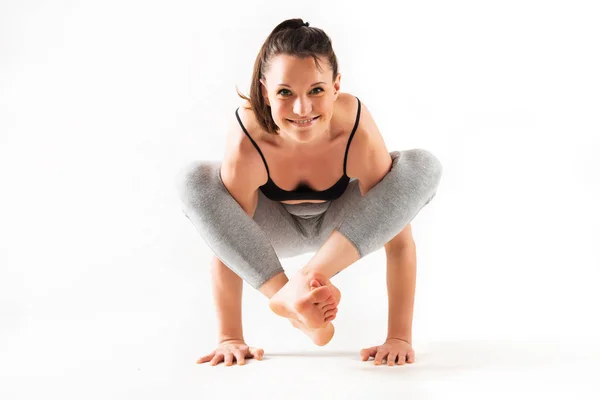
(252,247)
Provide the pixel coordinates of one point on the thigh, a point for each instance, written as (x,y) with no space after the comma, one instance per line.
(336,213)
(289,235)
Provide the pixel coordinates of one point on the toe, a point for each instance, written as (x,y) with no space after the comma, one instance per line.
(320,295)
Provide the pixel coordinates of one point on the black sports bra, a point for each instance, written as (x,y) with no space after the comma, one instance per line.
(303,191)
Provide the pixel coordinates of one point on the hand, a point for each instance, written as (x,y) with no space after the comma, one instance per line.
(390,350)
(228,349)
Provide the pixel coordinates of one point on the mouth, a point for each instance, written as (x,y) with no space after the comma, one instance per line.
(303,123)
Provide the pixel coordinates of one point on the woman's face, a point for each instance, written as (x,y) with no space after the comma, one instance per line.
(297,91)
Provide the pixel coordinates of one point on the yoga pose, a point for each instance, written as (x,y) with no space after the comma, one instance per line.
(305,169)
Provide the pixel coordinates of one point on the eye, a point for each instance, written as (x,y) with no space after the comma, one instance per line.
(285,90)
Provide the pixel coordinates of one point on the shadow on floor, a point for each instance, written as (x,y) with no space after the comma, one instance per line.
(456,356)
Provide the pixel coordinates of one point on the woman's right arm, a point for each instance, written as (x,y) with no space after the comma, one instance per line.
(241,178)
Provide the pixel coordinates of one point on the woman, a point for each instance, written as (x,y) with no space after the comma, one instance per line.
(306,169)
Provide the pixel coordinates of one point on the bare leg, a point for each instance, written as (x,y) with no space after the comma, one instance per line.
(273,285)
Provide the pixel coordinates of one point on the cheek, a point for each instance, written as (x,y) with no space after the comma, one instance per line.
(325,106)
(276,111)
(278,107)
(328,113)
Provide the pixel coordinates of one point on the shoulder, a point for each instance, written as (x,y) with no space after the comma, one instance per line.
(368,156)
(346,109)
(241,158)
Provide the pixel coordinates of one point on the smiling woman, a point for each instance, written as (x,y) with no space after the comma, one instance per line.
(297,104)
(285,88)
(330,186)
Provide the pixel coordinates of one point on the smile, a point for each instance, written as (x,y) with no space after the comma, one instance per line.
(304,122)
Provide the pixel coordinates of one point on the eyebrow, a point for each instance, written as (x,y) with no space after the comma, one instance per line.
(283,84)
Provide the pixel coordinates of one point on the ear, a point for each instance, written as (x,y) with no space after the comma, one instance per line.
(265,93)
(336,85)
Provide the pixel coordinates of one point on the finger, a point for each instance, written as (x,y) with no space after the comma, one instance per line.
(241,358)
(243,349)
(206,358)
(228,359)
(216,359)
(315,284)
(365,354)
(330,313)
(257,353)
(410,358)
(391,358)
(330,318)
(328,306)
(379,357)
(401,358)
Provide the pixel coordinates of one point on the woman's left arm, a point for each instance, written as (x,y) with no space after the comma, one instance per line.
(401,280)
(401,283)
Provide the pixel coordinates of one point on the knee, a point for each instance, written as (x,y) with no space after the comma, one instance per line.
(429,164)
(422,159)
(195,181)
(424,168)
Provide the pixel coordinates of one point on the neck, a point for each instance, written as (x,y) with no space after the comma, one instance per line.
(319,141)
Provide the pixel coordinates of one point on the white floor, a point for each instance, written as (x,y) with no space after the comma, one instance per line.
(97,360)
(133,329)
(467,370)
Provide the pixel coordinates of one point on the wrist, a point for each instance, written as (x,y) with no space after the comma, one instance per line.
(230,335)
(227,339)
(230,330)
(402,338)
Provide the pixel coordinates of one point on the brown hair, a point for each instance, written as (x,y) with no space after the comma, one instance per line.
(291,37)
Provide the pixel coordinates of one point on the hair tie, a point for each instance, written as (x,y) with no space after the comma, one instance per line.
(305,24)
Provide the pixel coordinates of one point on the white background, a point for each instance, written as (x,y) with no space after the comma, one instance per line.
(105,285)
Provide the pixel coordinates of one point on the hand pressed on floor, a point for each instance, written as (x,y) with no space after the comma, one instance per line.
(229,350)
(391,350)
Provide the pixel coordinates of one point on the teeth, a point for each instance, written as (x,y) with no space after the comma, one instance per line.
(303,122)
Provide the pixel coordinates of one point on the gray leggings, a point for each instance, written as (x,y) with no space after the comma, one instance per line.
(252,247)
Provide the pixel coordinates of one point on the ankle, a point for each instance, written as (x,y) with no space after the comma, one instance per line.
(273,285)
(310,274)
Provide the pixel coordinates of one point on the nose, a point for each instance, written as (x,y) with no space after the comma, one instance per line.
(302,106)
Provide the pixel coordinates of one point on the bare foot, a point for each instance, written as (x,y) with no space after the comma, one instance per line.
(297,301)
(319,336)
(335,292)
